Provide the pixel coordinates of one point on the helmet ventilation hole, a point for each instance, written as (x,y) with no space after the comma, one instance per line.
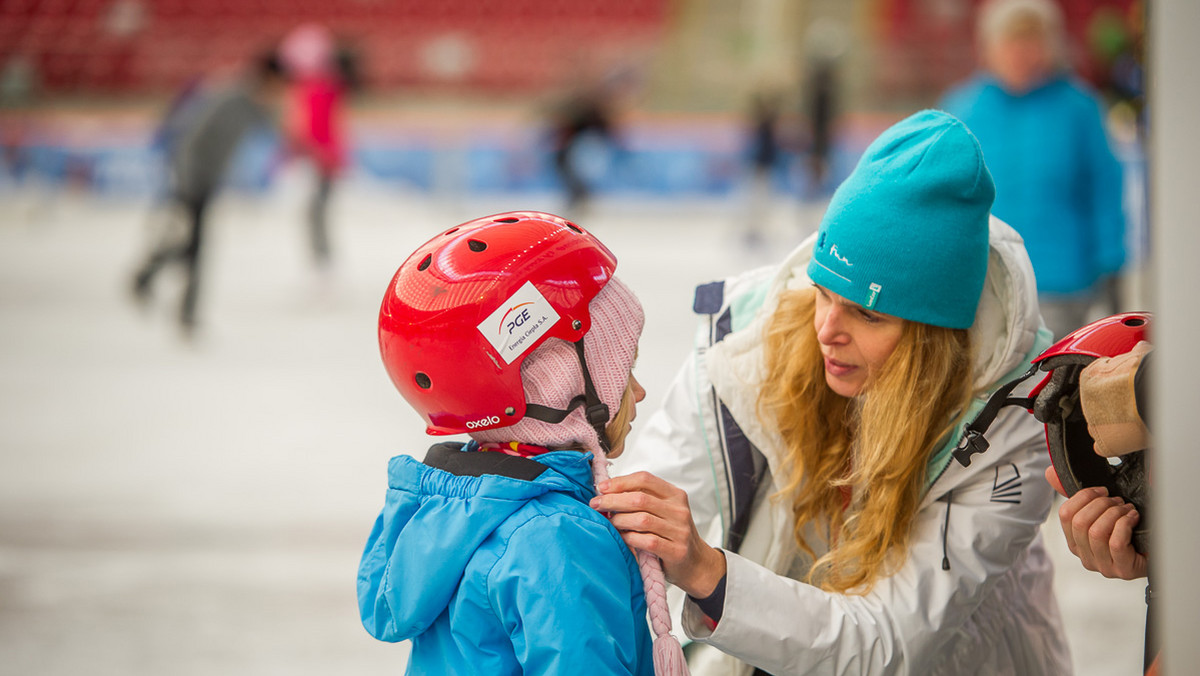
(476,245)
(510,219)
(423,381)
(1134,321)
(451,231)
(425,262)
(574,227)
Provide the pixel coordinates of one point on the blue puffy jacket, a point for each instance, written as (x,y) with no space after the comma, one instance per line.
(1058,183)
(496,565)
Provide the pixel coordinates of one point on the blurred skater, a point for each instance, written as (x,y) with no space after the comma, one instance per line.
(824,46)
(319,76)
(207,132)
(586,113)
(765,152)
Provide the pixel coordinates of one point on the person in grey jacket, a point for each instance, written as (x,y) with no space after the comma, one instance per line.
(797,482)
(204,134)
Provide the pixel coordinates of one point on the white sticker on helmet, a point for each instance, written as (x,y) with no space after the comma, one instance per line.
(519,322)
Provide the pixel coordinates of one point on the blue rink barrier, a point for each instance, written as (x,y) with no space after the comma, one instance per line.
(483,165)
(685,167)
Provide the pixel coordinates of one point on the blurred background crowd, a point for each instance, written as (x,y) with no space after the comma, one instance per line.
(470,95)
(666,100)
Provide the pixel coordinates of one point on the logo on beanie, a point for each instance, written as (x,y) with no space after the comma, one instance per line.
(834,252)
(518,322)
(873,295)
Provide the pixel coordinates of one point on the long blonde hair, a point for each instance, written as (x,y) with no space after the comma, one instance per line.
(855,468)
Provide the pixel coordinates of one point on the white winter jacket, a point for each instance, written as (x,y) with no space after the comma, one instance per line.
(974,595)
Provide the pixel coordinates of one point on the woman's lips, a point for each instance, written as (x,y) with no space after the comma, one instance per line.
(837,368)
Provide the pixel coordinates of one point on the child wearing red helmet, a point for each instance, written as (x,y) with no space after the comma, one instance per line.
(512,329)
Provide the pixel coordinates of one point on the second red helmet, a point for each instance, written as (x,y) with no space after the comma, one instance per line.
(1055,402)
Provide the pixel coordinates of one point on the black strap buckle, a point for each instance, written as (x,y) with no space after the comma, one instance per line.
(597,414)
(973,440)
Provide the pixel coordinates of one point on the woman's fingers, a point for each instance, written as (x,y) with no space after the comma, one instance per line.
(644,492)
(1111,543)
(1077,516)
(653,515)
(1100,534)
(1070,508)
(649,524)
(1099,531)
(1128,564)
(643,482)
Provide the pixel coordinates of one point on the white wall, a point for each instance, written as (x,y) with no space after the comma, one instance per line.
(1175,229)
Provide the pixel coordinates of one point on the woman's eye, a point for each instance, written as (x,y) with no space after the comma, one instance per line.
(868,316)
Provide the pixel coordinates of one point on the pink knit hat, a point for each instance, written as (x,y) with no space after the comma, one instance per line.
(552,377)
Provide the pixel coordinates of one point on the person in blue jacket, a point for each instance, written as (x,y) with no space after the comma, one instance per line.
(1043,137)
(486,555)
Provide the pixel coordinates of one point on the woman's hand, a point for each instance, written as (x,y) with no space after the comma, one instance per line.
(653,515)
(1099,531)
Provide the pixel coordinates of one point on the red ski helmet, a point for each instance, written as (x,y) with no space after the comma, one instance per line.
(466,308)
(1055,402)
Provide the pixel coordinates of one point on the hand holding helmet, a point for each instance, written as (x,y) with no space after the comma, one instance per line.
(1098,529)
(1056,401)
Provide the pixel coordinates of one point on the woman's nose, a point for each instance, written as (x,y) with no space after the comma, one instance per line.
(829,326)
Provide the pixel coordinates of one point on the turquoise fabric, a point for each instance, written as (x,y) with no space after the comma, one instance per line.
(907,233)
(1057,181)
(493,575)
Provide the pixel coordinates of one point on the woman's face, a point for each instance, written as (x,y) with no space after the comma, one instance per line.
(617,437)
(855,341)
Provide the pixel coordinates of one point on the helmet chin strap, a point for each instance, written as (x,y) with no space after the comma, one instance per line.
(973,440)
(595,410)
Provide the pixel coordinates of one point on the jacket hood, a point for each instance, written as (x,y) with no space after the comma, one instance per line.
(438,520)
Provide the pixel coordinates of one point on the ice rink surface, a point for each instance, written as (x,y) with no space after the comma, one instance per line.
(172,507)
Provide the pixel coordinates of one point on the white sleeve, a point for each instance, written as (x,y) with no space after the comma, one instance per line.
(680,445)
(903,625)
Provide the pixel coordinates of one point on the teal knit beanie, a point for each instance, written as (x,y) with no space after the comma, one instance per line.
(906,234)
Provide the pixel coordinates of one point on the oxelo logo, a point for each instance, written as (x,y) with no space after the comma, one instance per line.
(518,323)
(483,422)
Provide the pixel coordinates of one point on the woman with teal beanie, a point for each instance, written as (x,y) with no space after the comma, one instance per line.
(797,482)
(1042,133)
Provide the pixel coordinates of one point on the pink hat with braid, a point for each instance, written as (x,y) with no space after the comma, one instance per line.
(552,377)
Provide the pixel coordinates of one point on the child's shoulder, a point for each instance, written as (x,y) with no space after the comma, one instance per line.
(558,522)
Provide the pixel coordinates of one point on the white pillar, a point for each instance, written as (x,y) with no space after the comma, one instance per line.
(1175,233)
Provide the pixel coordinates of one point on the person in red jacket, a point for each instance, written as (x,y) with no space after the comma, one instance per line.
(313,126)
